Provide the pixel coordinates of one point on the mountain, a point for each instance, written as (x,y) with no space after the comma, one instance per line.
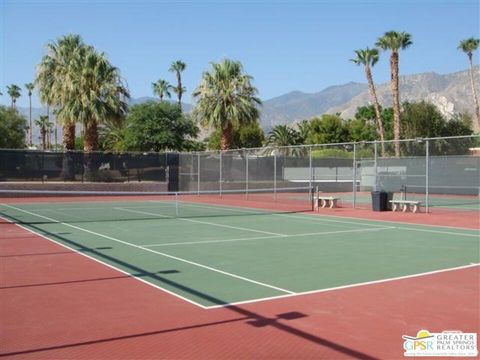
(451,93)
(297,105)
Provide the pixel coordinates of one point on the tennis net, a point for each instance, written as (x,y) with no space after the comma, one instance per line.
(47,206)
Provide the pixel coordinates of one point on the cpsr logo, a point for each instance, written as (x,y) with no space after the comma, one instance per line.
(446,343)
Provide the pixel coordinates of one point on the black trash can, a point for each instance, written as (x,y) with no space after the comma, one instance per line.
(379,201)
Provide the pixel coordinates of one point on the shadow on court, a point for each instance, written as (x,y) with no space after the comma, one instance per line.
(250,318)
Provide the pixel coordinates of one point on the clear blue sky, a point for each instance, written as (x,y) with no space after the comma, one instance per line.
(284,45)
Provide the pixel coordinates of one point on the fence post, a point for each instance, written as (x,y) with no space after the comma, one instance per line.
(354,175)
(274,175)
(310,183)
(427,160)
(220,177)
(246,173)
(198,173)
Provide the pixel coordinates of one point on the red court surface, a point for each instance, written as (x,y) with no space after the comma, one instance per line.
(57,304)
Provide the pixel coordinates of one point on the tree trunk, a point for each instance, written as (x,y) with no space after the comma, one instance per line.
(30,121)
(68,166)
(89,146)
(396,101)
(179,80)
(474,90)
(44,133)
(226,139)
(376,105)
(91,137)
(69,136)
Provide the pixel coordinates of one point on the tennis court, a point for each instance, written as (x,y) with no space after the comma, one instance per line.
(213,255)
(220,255)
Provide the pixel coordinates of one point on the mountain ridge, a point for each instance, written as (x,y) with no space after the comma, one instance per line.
(450,92)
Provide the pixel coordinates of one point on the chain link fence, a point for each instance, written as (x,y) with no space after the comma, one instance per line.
(441,173)
(75,166)
(438,172)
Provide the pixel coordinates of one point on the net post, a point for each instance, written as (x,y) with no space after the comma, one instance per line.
(246,173)
(176,205)
(198,173)
(427,160)
(275,175)
(220,175)
(354,183)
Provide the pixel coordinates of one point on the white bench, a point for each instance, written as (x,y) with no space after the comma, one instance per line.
(405,205)
(323,201)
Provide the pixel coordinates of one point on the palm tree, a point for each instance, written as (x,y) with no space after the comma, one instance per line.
(283,135)
(303,130)
(368,58)
(468,46)
(112,136)
(162,88)
(100,95)
(44,125)
(286,136)
(395,41)
(226,99)
(55,80)
(178,67)
(49,133)
(30,88)
(15,92)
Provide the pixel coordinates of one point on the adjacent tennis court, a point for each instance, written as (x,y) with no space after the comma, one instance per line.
(214,255)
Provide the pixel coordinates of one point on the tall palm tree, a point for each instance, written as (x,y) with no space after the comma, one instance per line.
(395,41)
(368,58)
(44,125)
(178,67)
(99,96)
(14,92)
(226,99)
(30,88)
(468,46)
(55,80)
(162,89)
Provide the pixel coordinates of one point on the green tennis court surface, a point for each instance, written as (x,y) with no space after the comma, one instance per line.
(214,255)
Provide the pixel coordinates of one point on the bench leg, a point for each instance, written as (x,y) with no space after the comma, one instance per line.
(394,208)
(333,203)
(324,203)
(415,208)
(405,208)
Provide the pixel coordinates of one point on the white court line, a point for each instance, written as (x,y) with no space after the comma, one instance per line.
(199,221)
(343,286)
(212,241)
(441,232)
(157,252)
(328,218)
(106,264)
(270,237)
